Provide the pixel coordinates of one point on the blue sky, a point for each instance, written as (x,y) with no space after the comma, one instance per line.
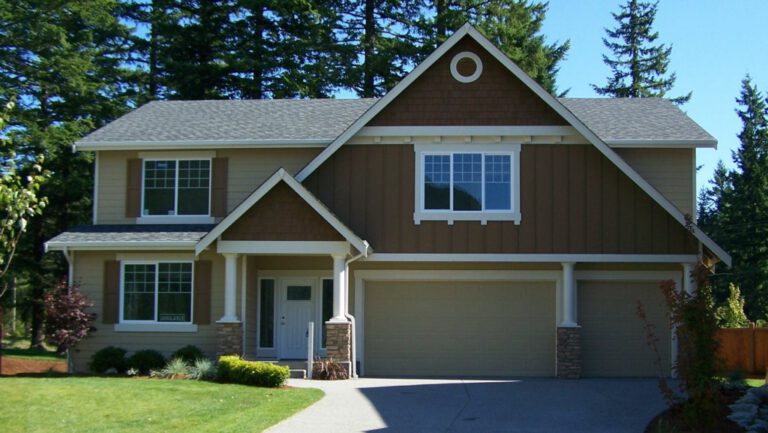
(715,44)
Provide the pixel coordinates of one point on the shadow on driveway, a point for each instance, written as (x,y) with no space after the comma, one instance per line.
(529,405)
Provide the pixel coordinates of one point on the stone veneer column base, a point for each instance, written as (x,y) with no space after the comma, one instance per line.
(230,338)
(338,343)
(569,352)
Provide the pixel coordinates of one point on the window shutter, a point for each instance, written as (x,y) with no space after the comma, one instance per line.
(111,295)
(202,290)
(133,195)
(219,187)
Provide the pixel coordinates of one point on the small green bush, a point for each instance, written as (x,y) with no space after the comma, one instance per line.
(233,369)
(146,360)
(188,354)
(108,358)
(202,369)
(176,368)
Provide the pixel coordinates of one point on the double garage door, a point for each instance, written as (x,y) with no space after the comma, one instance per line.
(503,329)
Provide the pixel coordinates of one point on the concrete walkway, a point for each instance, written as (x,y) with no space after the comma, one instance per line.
(527,405)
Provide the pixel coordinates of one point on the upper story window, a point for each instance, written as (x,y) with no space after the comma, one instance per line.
(467,182)
(177,187)
(157,292)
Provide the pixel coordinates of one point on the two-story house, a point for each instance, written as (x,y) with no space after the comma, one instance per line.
(468,223)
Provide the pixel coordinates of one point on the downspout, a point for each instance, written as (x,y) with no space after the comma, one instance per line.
(351,318)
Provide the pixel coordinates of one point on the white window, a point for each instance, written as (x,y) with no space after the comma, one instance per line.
(467,182)
(156,292)
(176,187)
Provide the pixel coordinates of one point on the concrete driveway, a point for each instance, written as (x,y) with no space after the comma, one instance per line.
(526,405)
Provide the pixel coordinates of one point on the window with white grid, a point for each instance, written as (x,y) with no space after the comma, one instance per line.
(176,187)
(157,292)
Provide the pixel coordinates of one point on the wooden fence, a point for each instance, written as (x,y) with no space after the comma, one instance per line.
(744,349)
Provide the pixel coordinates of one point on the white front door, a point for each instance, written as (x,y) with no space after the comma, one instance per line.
(297,312)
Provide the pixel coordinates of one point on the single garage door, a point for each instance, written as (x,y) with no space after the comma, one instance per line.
(613,342)
(463,329)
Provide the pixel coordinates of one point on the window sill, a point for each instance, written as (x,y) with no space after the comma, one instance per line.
(174,219)
(155,327)
(482,217)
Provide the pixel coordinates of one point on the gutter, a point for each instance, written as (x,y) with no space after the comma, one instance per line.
(351,318)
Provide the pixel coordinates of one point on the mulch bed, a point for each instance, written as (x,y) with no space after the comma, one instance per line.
(12,366)
(672,420)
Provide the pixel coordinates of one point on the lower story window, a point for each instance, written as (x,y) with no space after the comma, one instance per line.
(157,292)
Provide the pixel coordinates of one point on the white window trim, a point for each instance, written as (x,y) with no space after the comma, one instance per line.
(502,148)
(178,219)
(155,325)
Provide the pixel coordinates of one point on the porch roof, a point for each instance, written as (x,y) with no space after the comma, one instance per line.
(130,236)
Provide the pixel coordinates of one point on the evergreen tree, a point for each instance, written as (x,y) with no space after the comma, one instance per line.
(735,208)
(62,62)
(638,68)
(512,25)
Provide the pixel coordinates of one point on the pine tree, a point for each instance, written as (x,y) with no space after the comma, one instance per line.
(638,67)
(512,25)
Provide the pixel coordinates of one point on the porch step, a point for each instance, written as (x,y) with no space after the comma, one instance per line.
(298,374)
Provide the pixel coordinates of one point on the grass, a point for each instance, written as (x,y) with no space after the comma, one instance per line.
(19,348)
(123,405)
(755,382)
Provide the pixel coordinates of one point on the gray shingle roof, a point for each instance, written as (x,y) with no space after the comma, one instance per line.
(636,119)
(132,233)
(322,120)
(233,120)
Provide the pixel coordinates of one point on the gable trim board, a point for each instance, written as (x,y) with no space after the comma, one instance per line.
(468,30)
(282,175)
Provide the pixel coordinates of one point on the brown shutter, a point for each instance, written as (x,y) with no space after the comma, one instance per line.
(133,195)
(219,187)
(111,296)
(202,290)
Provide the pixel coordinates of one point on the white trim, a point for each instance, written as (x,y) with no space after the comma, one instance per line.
(466,78)
(175,219)
(284,247)
(243,298)
(533,258)
(121,245)
(361,276)
(628,276)
(95,188)
(157,256)
(208,144)
(155,327)
(662,144)
(508,148)
(194,155)
(261,191)
(468,30)
(463,131)
(154,322)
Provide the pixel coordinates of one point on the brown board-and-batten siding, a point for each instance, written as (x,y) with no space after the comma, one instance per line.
(281,215)
(496,98)
(573,200)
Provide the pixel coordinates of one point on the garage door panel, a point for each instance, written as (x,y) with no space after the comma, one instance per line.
(613,342)
(459,329)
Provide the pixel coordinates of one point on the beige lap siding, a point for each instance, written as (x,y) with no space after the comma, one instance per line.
(613,342)
(669,171)
(459,329)
(89,274)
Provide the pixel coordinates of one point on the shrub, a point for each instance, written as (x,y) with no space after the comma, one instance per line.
(329,369)
(146,360)
(189,354)
(108,358)
(233,369)
(67,321)
(176,368)
(203,368)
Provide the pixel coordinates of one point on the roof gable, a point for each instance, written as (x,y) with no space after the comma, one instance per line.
(548,99)
(282,177)
(495,98)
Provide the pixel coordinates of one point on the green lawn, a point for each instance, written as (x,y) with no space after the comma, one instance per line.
(19,348)
(139,405)
(755,382)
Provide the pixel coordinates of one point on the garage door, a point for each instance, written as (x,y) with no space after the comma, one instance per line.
(462,329)
(613,342)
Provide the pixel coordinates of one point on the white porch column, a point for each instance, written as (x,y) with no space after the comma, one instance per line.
(339,289)
(688,283)
(230,289)
(569,296)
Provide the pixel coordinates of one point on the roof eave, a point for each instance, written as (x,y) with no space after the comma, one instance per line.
(208,144)
(662,144)
(122,245)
